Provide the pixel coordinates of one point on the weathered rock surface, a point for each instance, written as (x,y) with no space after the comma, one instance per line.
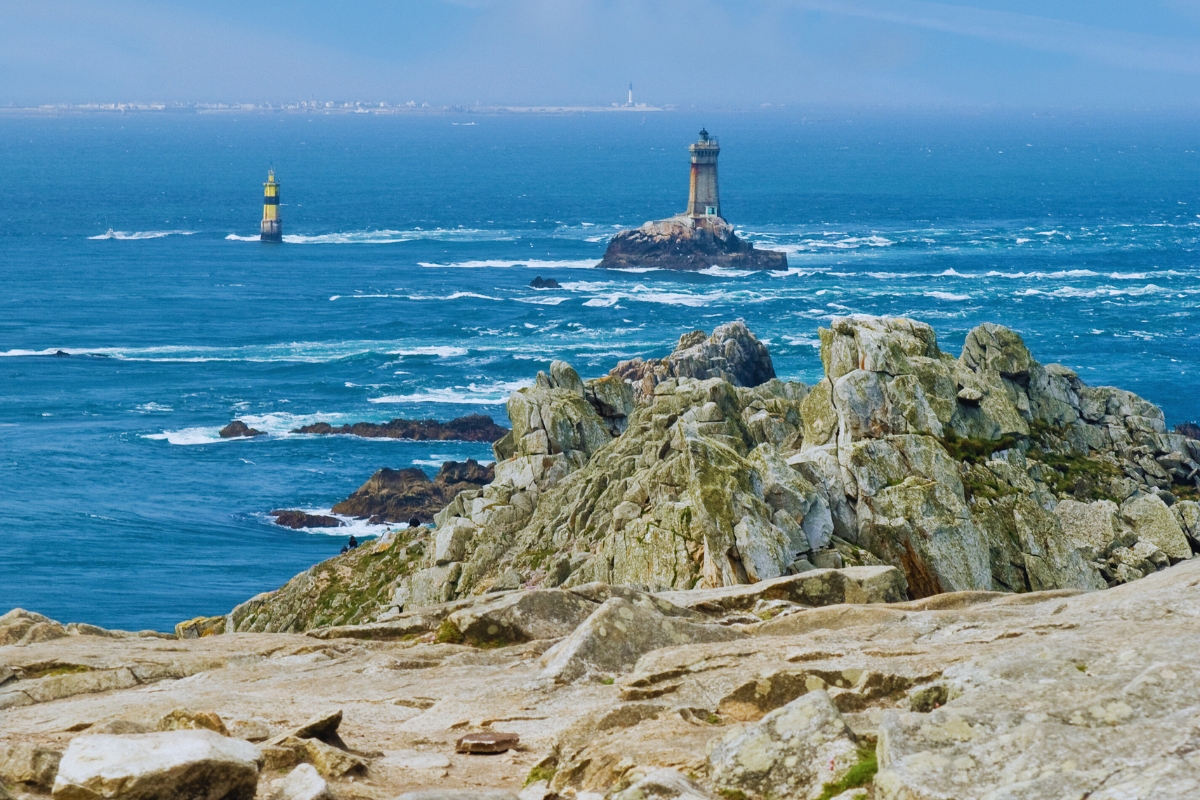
(398,495)
(28,766)
(702,471)
(471,428)
(238,429)
(792,752)
(302,783)
(617,634)
(195,764)
(1037,695)
(682,243)
(732,353)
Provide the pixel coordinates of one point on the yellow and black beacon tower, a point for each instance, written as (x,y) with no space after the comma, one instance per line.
(272,226)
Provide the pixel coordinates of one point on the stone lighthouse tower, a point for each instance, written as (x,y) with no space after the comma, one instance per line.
(704,200)
(271,229)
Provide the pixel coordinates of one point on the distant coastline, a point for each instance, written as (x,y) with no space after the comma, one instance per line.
(326,107)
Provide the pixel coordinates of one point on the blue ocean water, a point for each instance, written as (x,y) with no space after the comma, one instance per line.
(402,291)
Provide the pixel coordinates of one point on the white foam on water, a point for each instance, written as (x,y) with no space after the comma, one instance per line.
(948,296)
(188,436)
(441,351)
(472,394)
(607,301)
(285,352)
(233,237)
(725,272)
(150,408)
(496,263)
(358,528)
(803,340)
(542,301)
(454,296)
(137,235)
(1100,291)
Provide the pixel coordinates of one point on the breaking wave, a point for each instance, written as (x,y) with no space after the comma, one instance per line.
(136,235)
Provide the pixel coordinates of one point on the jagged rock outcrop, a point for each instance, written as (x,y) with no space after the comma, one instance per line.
(700,471)
(238,429)
(471,428)
(732,353)
(399,495)
(684,243)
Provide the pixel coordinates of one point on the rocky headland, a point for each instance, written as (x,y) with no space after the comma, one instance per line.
(686,243)
(925,576)
(471,428)
(398,495)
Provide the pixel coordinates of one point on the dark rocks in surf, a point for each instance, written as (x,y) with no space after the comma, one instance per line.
(472,428)
(399,495)
(300,519)
(544,283)
(1188,429)
(238,429)
(688,243)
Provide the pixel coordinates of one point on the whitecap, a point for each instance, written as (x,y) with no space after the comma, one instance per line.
(471,394)
(149,408)
(136,235)
(542,301)
(497,263)
(233,237)
(948,296)
(441,351)
(725,272)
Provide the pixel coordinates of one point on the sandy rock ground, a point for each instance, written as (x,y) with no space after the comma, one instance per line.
(962,695)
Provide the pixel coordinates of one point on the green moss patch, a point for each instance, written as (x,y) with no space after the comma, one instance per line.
(861,774)
(448,633)
(36,671)
(540,773)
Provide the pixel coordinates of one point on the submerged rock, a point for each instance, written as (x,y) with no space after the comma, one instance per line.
(686,243)
(544,283)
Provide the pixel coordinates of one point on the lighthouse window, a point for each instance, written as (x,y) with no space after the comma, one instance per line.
(710,211)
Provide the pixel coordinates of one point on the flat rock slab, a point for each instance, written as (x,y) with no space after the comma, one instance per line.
(487,742)
(818,587)
(199,765)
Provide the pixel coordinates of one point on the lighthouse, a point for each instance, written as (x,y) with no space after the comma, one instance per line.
(272,226)
(703,198)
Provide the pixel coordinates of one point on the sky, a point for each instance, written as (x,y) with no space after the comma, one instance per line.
(720,54)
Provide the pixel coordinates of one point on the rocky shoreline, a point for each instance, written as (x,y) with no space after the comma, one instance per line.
(925,576)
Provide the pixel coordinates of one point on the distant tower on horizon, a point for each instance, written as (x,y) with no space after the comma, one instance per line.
(630,94)
(271,229)
(704,199)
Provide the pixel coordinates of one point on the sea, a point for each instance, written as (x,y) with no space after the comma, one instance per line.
(401,289)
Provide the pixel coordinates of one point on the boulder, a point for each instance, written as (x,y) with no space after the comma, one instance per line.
(792,752)
(19,626)
(332,762)
(1153,522)
(302,783)
(199,627)
(487,742)
(522,617)
(182,719)
(238,429)
(458,794)
(197,764)
(1092,524)
(685,243)
(617,634)
(29,766)
(663,784)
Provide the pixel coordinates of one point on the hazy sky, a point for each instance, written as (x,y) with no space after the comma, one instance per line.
(711,53)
